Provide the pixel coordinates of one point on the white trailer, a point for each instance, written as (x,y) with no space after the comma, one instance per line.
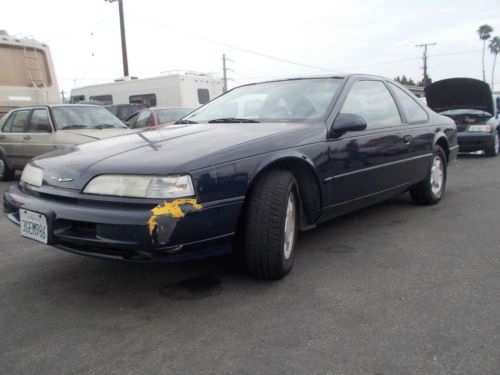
(27,75)
(169,90)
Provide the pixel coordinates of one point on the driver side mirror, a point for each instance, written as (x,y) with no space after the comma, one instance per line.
(347,122)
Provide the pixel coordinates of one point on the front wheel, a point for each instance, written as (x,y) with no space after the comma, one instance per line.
(272,224)
(431,190)
(494,148)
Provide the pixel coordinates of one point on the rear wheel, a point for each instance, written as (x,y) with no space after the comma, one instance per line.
(6,173)
(272,225)
(494,148)
(431,190)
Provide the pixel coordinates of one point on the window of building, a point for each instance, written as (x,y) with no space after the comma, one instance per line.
(75,99)
(203,96)
(413,111)
(372,101)
(147,99)
(102,99)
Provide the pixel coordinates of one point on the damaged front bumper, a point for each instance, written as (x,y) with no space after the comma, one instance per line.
(173,230)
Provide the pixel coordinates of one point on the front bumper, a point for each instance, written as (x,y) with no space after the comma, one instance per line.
(475,141)
(123,231)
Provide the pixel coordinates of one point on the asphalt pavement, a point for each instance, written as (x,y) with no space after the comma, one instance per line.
(393,289)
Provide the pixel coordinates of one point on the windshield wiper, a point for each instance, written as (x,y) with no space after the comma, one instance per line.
(107,126)
(231,120)
(185,122)
(75,127)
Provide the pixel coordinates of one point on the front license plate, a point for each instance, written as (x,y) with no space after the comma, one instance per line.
(33,225)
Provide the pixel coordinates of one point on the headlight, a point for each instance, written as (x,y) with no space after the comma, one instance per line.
(480,128)
(32,175)
(141,186)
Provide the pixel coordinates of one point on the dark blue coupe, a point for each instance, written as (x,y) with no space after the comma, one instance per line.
(245,172)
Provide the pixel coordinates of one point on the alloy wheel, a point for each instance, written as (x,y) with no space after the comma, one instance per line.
(290,221)
(437,175)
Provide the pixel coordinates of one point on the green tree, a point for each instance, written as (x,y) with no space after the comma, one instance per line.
(494,49)
(404,80)
(484,32)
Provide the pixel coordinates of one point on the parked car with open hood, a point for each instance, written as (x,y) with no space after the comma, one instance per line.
(246,171)
(31,131)
(469,102)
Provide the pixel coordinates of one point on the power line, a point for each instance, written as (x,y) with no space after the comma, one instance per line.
(84,29)
(236,47)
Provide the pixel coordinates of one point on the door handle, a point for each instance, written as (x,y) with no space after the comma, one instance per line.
(2,136)
(27,137)
(407,139)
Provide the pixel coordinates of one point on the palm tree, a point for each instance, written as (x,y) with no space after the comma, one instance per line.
(484,32)
(495,49)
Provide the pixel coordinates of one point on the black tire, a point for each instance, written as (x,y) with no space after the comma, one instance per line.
(493,149)
(6,173)
(424,192)
(266,254)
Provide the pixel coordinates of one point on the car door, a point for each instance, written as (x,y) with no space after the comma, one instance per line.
(12,138)
(417,132)
(39,137)
(367,163)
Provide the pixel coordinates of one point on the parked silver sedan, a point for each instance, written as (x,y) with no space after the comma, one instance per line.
(31,131)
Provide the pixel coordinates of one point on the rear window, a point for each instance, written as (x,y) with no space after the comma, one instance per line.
(171,115)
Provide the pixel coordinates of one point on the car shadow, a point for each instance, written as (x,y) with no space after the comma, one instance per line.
(101,282)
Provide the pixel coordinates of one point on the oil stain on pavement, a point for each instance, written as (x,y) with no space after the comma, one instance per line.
(193,288)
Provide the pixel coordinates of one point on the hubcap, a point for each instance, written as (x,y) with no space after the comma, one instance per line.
(2,168)
(437,175)
(290,220)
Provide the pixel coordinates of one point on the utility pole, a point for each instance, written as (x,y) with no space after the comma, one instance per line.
(122,30)
(425,81)
(224,72)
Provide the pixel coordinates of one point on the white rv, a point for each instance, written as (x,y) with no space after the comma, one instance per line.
(27,75)
(170,90)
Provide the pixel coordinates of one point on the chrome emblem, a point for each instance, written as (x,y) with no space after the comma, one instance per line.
(60,179)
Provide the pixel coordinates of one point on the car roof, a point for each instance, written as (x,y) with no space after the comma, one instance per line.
(319,76)
(57,106)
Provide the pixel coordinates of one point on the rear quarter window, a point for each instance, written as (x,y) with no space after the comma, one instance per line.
(413,111)
(15,122)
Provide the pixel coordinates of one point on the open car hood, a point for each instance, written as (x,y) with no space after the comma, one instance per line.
(459,93)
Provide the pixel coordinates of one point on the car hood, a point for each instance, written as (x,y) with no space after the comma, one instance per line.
(172,149)
(459,93)
(98,133)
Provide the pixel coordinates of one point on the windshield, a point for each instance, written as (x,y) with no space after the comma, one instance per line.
(452,112)
(283,101)
(84,117)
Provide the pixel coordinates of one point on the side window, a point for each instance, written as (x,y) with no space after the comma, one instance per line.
(103,99)
(203,96)
(145,119)
(372,101)
(132,120)
(39,122)
(15,123)
(147,99)
(413,111)
(77,99)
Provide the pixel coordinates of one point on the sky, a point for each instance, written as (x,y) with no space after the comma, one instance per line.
(263,39)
